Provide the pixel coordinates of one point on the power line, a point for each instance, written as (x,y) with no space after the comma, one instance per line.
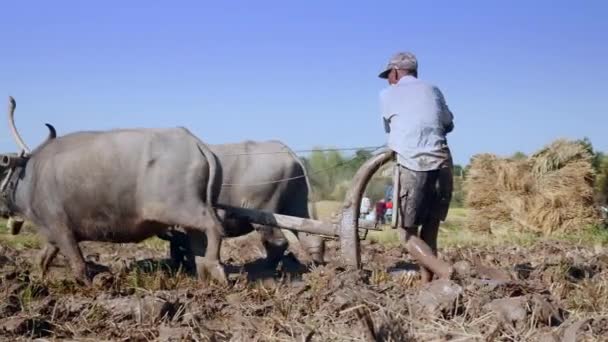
(363,148)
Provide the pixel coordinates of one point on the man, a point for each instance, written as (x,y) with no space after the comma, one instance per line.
(417,121)
(365,206)
(380,210)
(389,210)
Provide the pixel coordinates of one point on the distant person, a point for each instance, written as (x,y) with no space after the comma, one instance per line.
(388,191)
(365,206)
(380,211)
(389,210)
(417,121)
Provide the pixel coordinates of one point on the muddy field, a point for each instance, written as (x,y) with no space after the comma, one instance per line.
(552,291)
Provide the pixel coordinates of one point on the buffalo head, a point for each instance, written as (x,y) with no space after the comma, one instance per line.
(12,164)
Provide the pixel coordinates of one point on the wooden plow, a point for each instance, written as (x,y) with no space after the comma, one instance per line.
(346,229)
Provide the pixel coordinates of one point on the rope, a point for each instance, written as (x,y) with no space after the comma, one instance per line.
(365,148)
(296,177)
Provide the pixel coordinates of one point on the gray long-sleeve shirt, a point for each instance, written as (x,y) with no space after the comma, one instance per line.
(419,120)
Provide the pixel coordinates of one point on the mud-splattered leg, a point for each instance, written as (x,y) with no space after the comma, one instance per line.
(180,251)
(204,235)
(314,245)
(405,234)
(428,233)
(275,243)
(46,257)
(210,263)
(442,194)
(427,259)
(69,247)
(424,254)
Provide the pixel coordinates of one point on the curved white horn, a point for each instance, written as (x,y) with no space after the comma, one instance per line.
(11,121)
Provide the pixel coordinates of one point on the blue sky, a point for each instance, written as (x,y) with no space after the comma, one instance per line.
(516,74)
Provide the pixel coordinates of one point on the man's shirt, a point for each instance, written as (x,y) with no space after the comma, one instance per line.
(419,121)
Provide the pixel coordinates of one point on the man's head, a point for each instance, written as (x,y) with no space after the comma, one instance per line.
(401,64)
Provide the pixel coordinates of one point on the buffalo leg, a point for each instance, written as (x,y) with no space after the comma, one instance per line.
(70,249)
(314,245)
(199,220)
(46,257)
(198,249)
(180,251)
(210,263)
(274,243)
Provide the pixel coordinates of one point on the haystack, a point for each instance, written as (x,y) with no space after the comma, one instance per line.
(482,192)
(552,191)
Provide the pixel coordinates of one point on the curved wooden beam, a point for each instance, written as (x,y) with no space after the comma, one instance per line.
(350,247)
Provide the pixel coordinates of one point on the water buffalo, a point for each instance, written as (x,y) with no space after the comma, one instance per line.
(264,175)
(122,185)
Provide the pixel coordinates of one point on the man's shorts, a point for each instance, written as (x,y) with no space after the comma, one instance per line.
(424,195)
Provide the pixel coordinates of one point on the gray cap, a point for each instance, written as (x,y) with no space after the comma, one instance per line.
(401,60)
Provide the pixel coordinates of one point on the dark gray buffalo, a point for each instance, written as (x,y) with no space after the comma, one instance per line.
(115,186)
(263,175)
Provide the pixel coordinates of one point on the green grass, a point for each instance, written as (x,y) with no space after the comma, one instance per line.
(22,241)
(454,233)
(451,230)
(325,209)
(593,236)
(156,244)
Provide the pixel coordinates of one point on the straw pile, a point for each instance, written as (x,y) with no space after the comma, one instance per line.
(551,191)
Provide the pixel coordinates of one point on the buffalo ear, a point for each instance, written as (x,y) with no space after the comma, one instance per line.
(4,161)
(4,164)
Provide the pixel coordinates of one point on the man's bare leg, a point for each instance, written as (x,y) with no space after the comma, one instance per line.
(428,233)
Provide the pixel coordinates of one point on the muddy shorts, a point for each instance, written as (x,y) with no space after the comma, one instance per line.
(424,195)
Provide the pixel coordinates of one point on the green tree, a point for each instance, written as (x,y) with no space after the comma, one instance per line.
(458,189)
(322,168)
(458,170)
(602,180)
(519,156)
(331,172)
(596,155)
(600,165)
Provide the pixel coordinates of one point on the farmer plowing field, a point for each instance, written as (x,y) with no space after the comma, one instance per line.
(417,120)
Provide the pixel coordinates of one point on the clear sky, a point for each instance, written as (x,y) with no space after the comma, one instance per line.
(516,74)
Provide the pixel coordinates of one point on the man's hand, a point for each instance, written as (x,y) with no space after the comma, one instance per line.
(387,125)
(446,116)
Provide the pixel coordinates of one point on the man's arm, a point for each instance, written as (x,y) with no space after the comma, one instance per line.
(387,125)
(446,116)
(386,115)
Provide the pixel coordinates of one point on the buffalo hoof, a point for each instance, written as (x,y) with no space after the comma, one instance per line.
(208,269)
(317,259)
(84,281)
